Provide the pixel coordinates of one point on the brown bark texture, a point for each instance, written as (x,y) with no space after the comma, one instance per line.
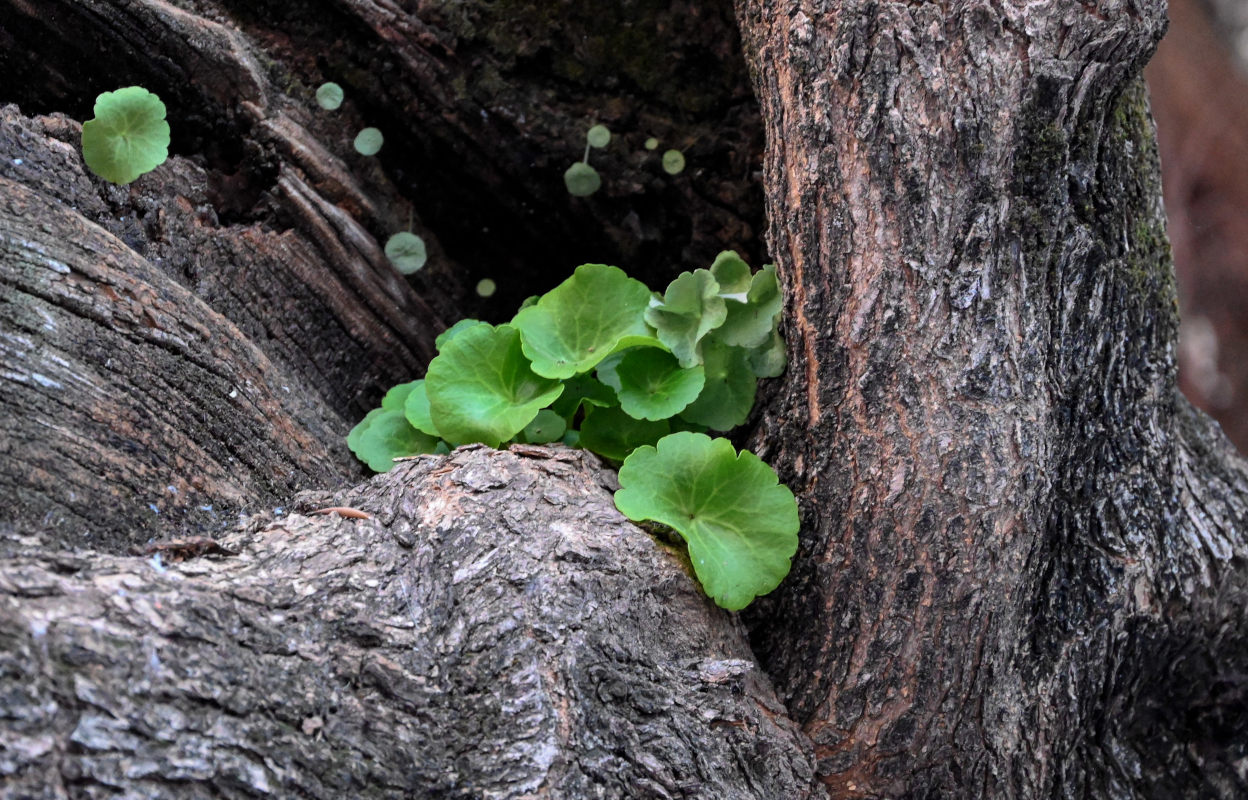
(1022,569)
(495,629)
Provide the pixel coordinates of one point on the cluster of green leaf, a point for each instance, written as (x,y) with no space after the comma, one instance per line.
(601,362)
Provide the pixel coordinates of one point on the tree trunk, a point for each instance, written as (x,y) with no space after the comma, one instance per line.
(1022,563)
(1021,571)
(495,629)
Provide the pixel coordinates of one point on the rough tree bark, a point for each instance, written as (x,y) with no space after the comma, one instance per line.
(1022,569)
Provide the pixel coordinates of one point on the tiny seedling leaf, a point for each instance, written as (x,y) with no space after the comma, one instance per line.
(368,142)
(690,309)
(128,137)
(673,162)
(406,252)
(384,435)
(598,136)
(653,384)
(329,96)
(546,427)
(740,524)
(749,324)
(481,388)
(591,315)
(652,143)
(611,433)
(486,287)
(728,395)
(582,180)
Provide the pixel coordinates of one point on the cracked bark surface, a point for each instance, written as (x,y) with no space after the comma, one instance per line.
(1022,571)
(495,629)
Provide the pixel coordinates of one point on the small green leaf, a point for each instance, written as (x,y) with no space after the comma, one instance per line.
(406,252)
(690,309)
(368,142)
(582,390)
(396,398)
(531,300)
(546,427)
(652,143)
(673,162)
(486,287)
(608,371)
(728,395)
(384,435)
(598,136)
(481,388)
(128,137)
(739,522)
(769,359)
(654,386)
(612,433)
(751,322)
(455,330)
(582,180)
(732,274)
(416,409)
(329,96)
(596,312)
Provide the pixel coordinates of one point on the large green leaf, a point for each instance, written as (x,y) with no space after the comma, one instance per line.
(612,433)
(769,359)
(728,395)
(690,309)
(481,388)
(654,386)
(455,330)
(546,427)
(749,323)
(596,312)
(128,137)
(384,435)
(740,524)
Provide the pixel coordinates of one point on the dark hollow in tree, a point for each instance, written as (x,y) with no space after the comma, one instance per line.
(1022,568)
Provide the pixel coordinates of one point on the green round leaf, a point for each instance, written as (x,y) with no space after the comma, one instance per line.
(612,433)
(406,252)
(652,143)
(384,435)
(673,162)
(416,409)
(690,309)
(596,312)
(368,142)
(329,96)
(546,427)
(739,522)
(582,180)
(750,323)
(128,137)
(653,385)
(598,136)
(486,287)
(728,395)
(733,276)
(481,388)
(455,330)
